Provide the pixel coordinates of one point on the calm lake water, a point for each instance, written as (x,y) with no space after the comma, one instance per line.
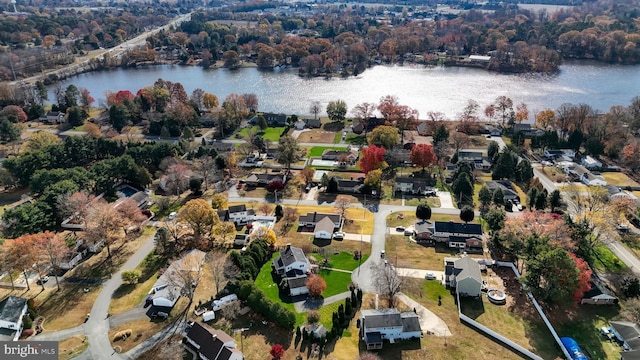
(426,89)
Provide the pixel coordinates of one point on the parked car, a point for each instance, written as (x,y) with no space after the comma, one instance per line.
(172,216)
(339,235)
(408,231)
(400,229)
(430,276)
(382,254)
(42,280)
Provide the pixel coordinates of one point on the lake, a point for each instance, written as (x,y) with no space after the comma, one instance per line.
(444,89)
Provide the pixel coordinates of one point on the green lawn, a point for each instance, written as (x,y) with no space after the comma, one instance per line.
(342,261)
(271,134)
(337,282)
(606,261)
(583,328)
(317,151)
(356,139)
(337,137)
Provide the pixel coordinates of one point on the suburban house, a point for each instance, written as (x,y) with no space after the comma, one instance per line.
(312,123)
(350,155)
(239,214)
(360,126)
(445,229)
(345,186)
(263,180)
(628,333)
(478,158)
(598,294)
(324,229)
(223,215)
(292,265)
(169,287)
(505,186)
(527,130)
(297,285)
(472,244)
(221,147)
(582,174)
(560,154)
(413,186)
(299,125)
(274,119)
(590,162)
(399,155)
(70,260)
(617,193)
(212,344)
(12,309)
(311,220)
(53,117)
(492,130)
(423,232)
(291,262)
(424,128)
(463,274)
(388,324)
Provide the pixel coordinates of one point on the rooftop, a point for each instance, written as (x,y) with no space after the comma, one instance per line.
(11,308)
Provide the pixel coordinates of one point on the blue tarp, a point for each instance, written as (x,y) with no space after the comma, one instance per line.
(573,348)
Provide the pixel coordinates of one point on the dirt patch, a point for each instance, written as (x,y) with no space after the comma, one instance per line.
(72,347)
(317,136)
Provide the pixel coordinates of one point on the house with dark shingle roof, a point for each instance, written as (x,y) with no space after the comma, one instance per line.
(12,309)
(628,333)
(509,193)
(212,344)
(444,229)
(297,285)
(291,261)
(263,180)
(388,324)
(238,214)
(410,185)
(312,218)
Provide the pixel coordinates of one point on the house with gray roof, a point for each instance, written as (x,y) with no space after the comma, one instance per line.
(413,186)
(296,285)
(445,229)
(291,262)
(478,158)
(505,186)
(323,225)
(169,287)
(12,309)
(464,275)
(628,333)
(388,325)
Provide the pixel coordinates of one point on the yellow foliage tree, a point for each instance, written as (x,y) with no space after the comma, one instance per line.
(198,215)
(219,201)
(266,234)
(40,140)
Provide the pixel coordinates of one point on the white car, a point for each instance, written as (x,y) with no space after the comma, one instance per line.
(430,276)
(172,216)
(338,235)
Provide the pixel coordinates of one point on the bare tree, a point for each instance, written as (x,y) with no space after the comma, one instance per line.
(104,223)
(315,109)
(53,246)
(387,281)
(231,310)
(217,262)
(341,204)
(76,206)
(186,273)
(205,165)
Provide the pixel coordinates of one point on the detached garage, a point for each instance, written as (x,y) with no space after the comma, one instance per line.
(324,229)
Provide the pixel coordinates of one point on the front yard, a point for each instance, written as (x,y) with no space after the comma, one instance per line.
(270,134)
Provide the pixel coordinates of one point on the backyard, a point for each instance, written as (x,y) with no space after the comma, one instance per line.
(416,256)
(317,136)
(317,151)
(270,134)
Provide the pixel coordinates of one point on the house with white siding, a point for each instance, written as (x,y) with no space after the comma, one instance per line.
(389,325)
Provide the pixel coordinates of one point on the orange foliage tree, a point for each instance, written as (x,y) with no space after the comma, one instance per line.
(372,158)
(584,278)
(423,155)
(316,285)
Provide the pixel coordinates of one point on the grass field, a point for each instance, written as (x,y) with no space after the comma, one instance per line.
(618,179)
(343,260)
(72,347)
(265,282)
(416,256)
(317,151)
(606,261)
(356,139)
(270,134)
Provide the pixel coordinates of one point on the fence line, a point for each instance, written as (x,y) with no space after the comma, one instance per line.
(539,309)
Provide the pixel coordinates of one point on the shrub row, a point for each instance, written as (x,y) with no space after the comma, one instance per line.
(256,300)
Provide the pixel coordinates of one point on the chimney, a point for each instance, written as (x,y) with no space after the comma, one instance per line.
(315,213)
(288,248)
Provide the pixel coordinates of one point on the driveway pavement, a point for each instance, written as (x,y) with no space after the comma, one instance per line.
(429,322)
(446,202)
(420,274)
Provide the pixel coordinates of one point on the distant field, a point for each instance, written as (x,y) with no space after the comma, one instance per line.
(271,134)
(618,179)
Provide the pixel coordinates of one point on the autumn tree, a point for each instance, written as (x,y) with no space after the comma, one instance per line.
(266,234)
(423,155)
(522,113)
(86,99)
(307,174)
(545,118)
(372,158)
(337,110)
(130,214)
(131,277)
(222,269)
(363,111)
(341,204)
(387,282)
(199,216)
(21,255)
(316,285)
(186,272)
(504,109)
(223,233)
(287,152)
(76,206)
(92,130)
(104,223)
(400,116)
(276,352)
(373,179)
(177,177)
(39,140)
(385,136)
(218,201)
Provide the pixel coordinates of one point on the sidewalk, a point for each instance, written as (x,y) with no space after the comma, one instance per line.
(312,304)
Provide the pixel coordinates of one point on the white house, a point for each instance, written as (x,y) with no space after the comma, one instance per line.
(300,125)
(464,275)
(297,285)
(239,214)
(169,286)
(291,262)
(590,179)
(70,260)
(212,344)
(324,229)
(388,324)
(53,117)
(12,309)
(591,163)
(311,219)
(446,229)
